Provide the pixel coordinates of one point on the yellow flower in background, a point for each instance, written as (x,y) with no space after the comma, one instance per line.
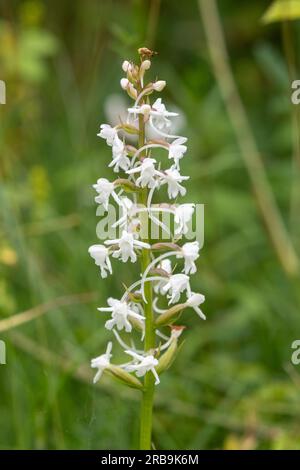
(282,10)
(8,256)
(39,183)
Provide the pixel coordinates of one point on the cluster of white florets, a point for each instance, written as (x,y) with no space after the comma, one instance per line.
(140,169)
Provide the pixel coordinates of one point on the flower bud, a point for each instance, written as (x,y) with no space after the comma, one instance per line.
(168,357)
(134,73)
(132,91)
(159,85)
(124,377)
(137,324)
(170,315)
(126,66)
(124,83)
(165,247)
(128,186)
(128,128)
(146,64)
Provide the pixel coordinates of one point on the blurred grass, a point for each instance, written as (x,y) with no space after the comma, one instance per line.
(232,386)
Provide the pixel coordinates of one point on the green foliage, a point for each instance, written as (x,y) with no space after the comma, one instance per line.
(232,384)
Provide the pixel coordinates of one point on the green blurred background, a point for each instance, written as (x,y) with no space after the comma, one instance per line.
(233,385)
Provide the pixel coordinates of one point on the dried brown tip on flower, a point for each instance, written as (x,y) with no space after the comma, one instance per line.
(146,53)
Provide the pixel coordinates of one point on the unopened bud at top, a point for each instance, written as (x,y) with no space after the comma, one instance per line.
(146,64)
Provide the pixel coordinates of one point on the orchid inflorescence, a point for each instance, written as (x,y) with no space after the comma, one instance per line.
(148,126)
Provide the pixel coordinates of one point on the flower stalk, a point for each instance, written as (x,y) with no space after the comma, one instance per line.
(149,344)
(137,312)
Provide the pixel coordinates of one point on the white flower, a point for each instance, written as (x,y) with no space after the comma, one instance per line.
(147,173)
(172,178)
(108,133)
(120,159)
(104,188)
(175,286)
(161,115)
(177,150)
(100,254)
(194,301)
(166,265)
(190,252)
(120,312)
(102,362)
(145,364)
(127,243)
(183,215)
(159,85)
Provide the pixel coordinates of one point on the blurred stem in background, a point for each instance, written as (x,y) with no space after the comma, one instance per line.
(287,39)
(267,205)
(152,23)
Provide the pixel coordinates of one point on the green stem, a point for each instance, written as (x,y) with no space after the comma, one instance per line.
(148,393)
